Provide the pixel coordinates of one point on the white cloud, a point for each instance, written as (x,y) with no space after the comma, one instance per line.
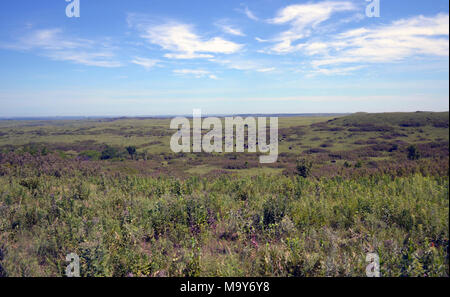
(191,71)
(198,73)
(99,59)
(231,30)
(238,64)
(54,44)
(49,39)
(351,50)
(315,48)
(181,40)
(250,14)
(261,40)
(334,71)
(144,62)
(266,69)
(187,56)
(303,18)
(402,39)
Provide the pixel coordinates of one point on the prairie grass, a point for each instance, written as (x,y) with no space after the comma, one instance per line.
(224,226)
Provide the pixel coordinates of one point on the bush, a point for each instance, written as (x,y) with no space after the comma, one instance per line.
(110,153)
(304,167)
(273,211)
(413,153)
(90,155)
(131,151)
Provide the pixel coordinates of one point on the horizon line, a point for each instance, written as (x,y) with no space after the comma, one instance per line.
(163,116)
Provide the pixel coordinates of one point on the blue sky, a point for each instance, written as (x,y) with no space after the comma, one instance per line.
(149,57)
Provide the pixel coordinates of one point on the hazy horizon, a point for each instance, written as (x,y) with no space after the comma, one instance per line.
(165,116)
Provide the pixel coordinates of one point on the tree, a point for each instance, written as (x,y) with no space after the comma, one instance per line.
(131,151)
(109,153)
(413,153)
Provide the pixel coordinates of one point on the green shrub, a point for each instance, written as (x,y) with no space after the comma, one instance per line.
(110,153)
(131,151)
(91,155)
(304,167)
(413,153)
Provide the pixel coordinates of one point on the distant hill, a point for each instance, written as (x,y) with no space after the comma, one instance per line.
(402,119)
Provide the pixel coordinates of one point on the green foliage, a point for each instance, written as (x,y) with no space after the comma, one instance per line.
(304,167)
(131,150)
(91,155)
(30,183)
(274,210)
(285,226)
(110,153)
(44,151)
(413,153)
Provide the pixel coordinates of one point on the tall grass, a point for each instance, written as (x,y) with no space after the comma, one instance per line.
(223,226)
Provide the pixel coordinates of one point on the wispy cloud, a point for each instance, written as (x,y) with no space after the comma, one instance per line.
(99,59)
(266,69)
(181,40)
(303,18)
(47,39)
(344,52)
(238,63)
(229,29)
(312,30)
(250,14)
(333,71)
(406,38)
(54,44)
(144,62)
(246,11)
(261,40)
(198,73)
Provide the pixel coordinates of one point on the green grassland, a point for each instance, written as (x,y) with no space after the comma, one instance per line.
(318,137)
(341,187)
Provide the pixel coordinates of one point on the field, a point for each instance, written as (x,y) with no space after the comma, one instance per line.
(111,191)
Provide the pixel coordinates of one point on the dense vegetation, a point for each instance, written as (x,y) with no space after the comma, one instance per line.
(129,210)
(258,226)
